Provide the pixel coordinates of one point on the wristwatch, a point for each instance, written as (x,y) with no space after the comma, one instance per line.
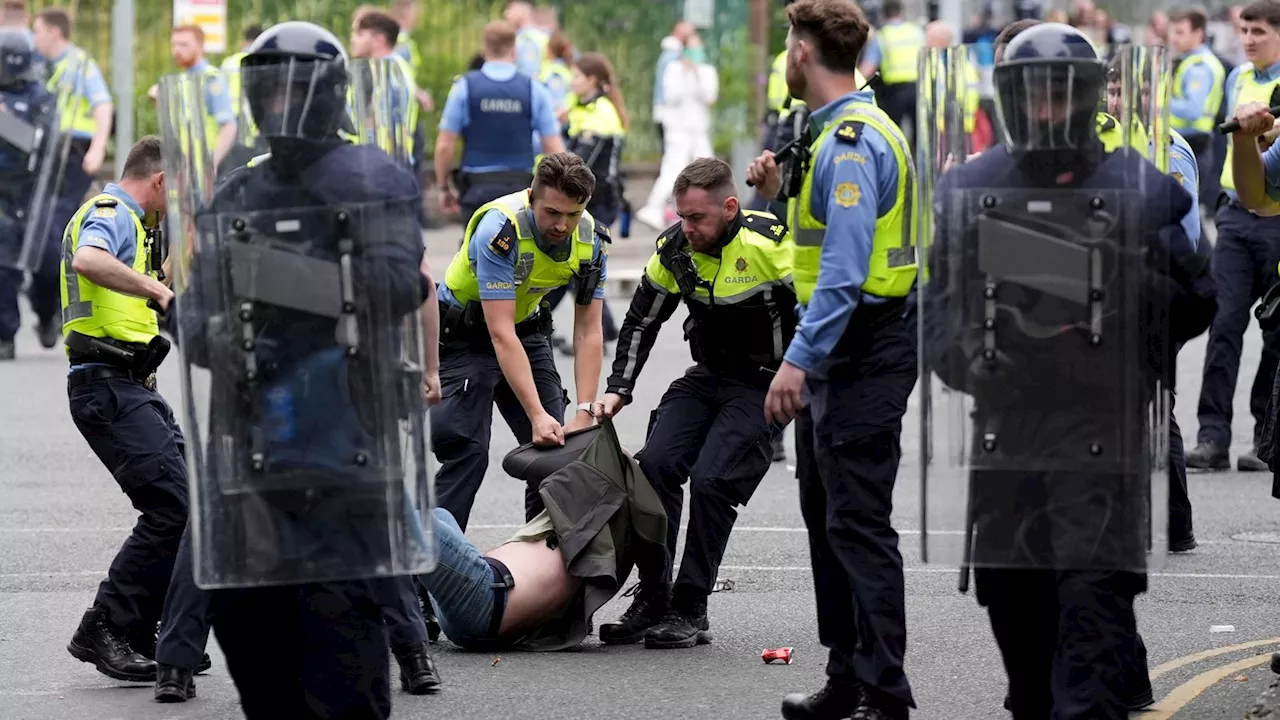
(587,408)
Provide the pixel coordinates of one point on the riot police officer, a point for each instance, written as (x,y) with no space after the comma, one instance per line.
(298,311)
(28,151)
(1062,367)
(855,350)
(732,269)
(109,296)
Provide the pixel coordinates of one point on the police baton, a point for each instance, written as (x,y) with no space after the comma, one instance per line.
(1231,126)
(782,155)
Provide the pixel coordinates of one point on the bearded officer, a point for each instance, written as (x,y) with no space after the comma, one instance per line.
(494,327)
(732,269)
(855,347)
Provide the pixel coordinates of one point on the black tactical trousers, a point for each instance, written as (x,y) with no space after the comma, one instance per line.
(709,431)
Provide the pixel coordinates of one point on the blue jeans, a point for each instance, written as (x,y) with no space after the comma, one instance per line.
(461,586)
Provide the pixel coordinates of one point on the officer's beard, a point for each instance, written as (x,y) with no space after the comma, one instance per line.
(796,83)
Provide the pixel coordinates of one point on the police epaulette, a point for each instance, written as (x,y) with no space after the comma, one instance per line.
(505,241)
(849,131)
(765,224)
(673,233)
(603,231)
(106,202)
(1108,123)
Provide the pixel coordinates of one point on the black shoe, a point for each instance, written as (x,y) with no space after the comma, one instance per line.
(1275,663)
(428,612)
(684,626)
(102,645)
(835,701)
(1249,462)
(1209,456)
(7,350)
(49,334)
(1181,545)
(418,674)
(144,644)
(174,685)
(646,610)
(779,450)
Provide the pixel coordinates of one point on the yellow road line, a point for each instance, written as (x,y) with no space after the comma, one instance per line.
(1188,691)
(1166,668)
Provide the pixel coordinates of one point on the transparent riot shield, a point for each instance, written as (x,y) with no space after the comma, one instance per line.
(1138,87)
(35,146)
(1043,355)
(298,293)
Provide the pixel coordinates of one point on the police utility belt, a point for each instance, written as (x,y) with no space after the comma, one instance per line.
(131,361)
(465,326)
(466,180)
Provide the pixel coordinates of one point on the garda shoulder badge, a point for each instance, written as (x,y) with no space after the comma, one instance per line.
(848,194)
(603,231)
(766,225)
(1177,176)
(104,208)
(662,240)
(740,265)
(502,243)
(215,86)
(849,131)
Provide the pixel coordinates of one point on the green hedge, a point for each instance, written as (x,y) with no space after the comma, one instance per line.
(626,31)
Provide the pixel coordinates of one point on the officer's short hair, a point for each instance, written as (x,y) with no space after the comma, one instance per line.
(251,33)
(711,174)
(1267,11)
(1194,17)
(1013,30)
(499,37)
(838,30)
(144,159)
(380,23)
(567,173)
(55,18)
(195,30)
(891,8)
(14,11)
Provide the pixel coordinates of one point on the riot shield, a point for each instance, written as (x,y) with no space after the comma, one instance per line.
(298,296)
(1138,86)
(35,144)
(1043,360)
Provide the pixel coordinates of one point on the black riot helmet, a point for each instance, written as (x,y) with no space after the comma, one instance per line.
(1049,86)
(16,58)
(295,80)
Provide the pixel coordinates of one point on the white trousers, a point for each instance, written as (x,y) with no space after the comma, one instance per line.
(682,148)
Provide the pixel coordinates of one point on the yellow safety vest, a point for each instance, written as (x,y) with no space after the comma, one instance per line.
(231,69)
(536,272)
(415,55)
(93,310)
(973,87)
(598,117)
(540,40)
(560,71)
(1209,114)
(778,92)
(1112,135)
(757,258)
(410,100)
(1247,91)
(900,44)
(74,111)
(893,265)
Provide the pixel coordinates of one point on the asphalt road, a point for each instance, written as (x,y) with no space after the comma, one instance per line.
(62,519)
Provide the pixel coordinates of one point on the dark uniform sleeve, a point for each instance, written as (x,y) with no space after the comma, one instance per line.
(651,306)
(1193,293)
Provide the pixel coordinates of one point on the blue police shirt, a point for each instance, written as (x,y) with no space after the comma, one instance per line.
(846,250)
(456,115)
(112,231)
(217,101)
(528,52)
(1264,75)
(88,83)
(497,273)
(1182,163)
(1197,81)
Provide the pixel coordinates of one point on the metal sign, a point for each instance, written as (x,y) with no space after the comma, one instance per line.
(209,15)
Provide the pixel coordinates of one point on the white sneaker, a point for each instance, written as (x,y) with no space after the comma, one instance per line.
(651,217)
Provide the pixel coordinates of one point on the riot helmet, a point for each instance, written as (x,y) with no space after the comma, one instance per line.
(295,80)
(1049,88)
(16,58)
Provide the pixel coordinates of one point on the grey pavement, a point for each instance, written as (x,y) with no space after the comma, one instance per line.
(62,518)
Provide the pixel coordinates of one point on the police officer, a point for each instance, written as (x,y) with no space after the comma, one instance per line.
(1244,261)
(373,36)
(893,51)
(855,348)
(531,40)
(1198,82)
(109,290)
(494,111)
(313,505)
(26,99)
(85,112)
(557,72)
(733,272)
(187,47)
(494,347)
(1065,625)
(230,66)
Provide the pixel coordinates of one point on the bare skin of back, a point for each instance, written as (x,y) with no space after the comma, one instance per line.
(543,584)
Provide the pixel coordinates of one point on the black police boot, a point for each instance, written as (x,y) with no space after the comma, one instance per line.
(779,450)
(144,644)
(1249,462)
(49,334)
(174,685)
(838,699)
(1182,544)
(428,612)
(8,350)
(1209,456)
(878,706)
(646,610)
(418,674)
(684,626)
(97,642)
